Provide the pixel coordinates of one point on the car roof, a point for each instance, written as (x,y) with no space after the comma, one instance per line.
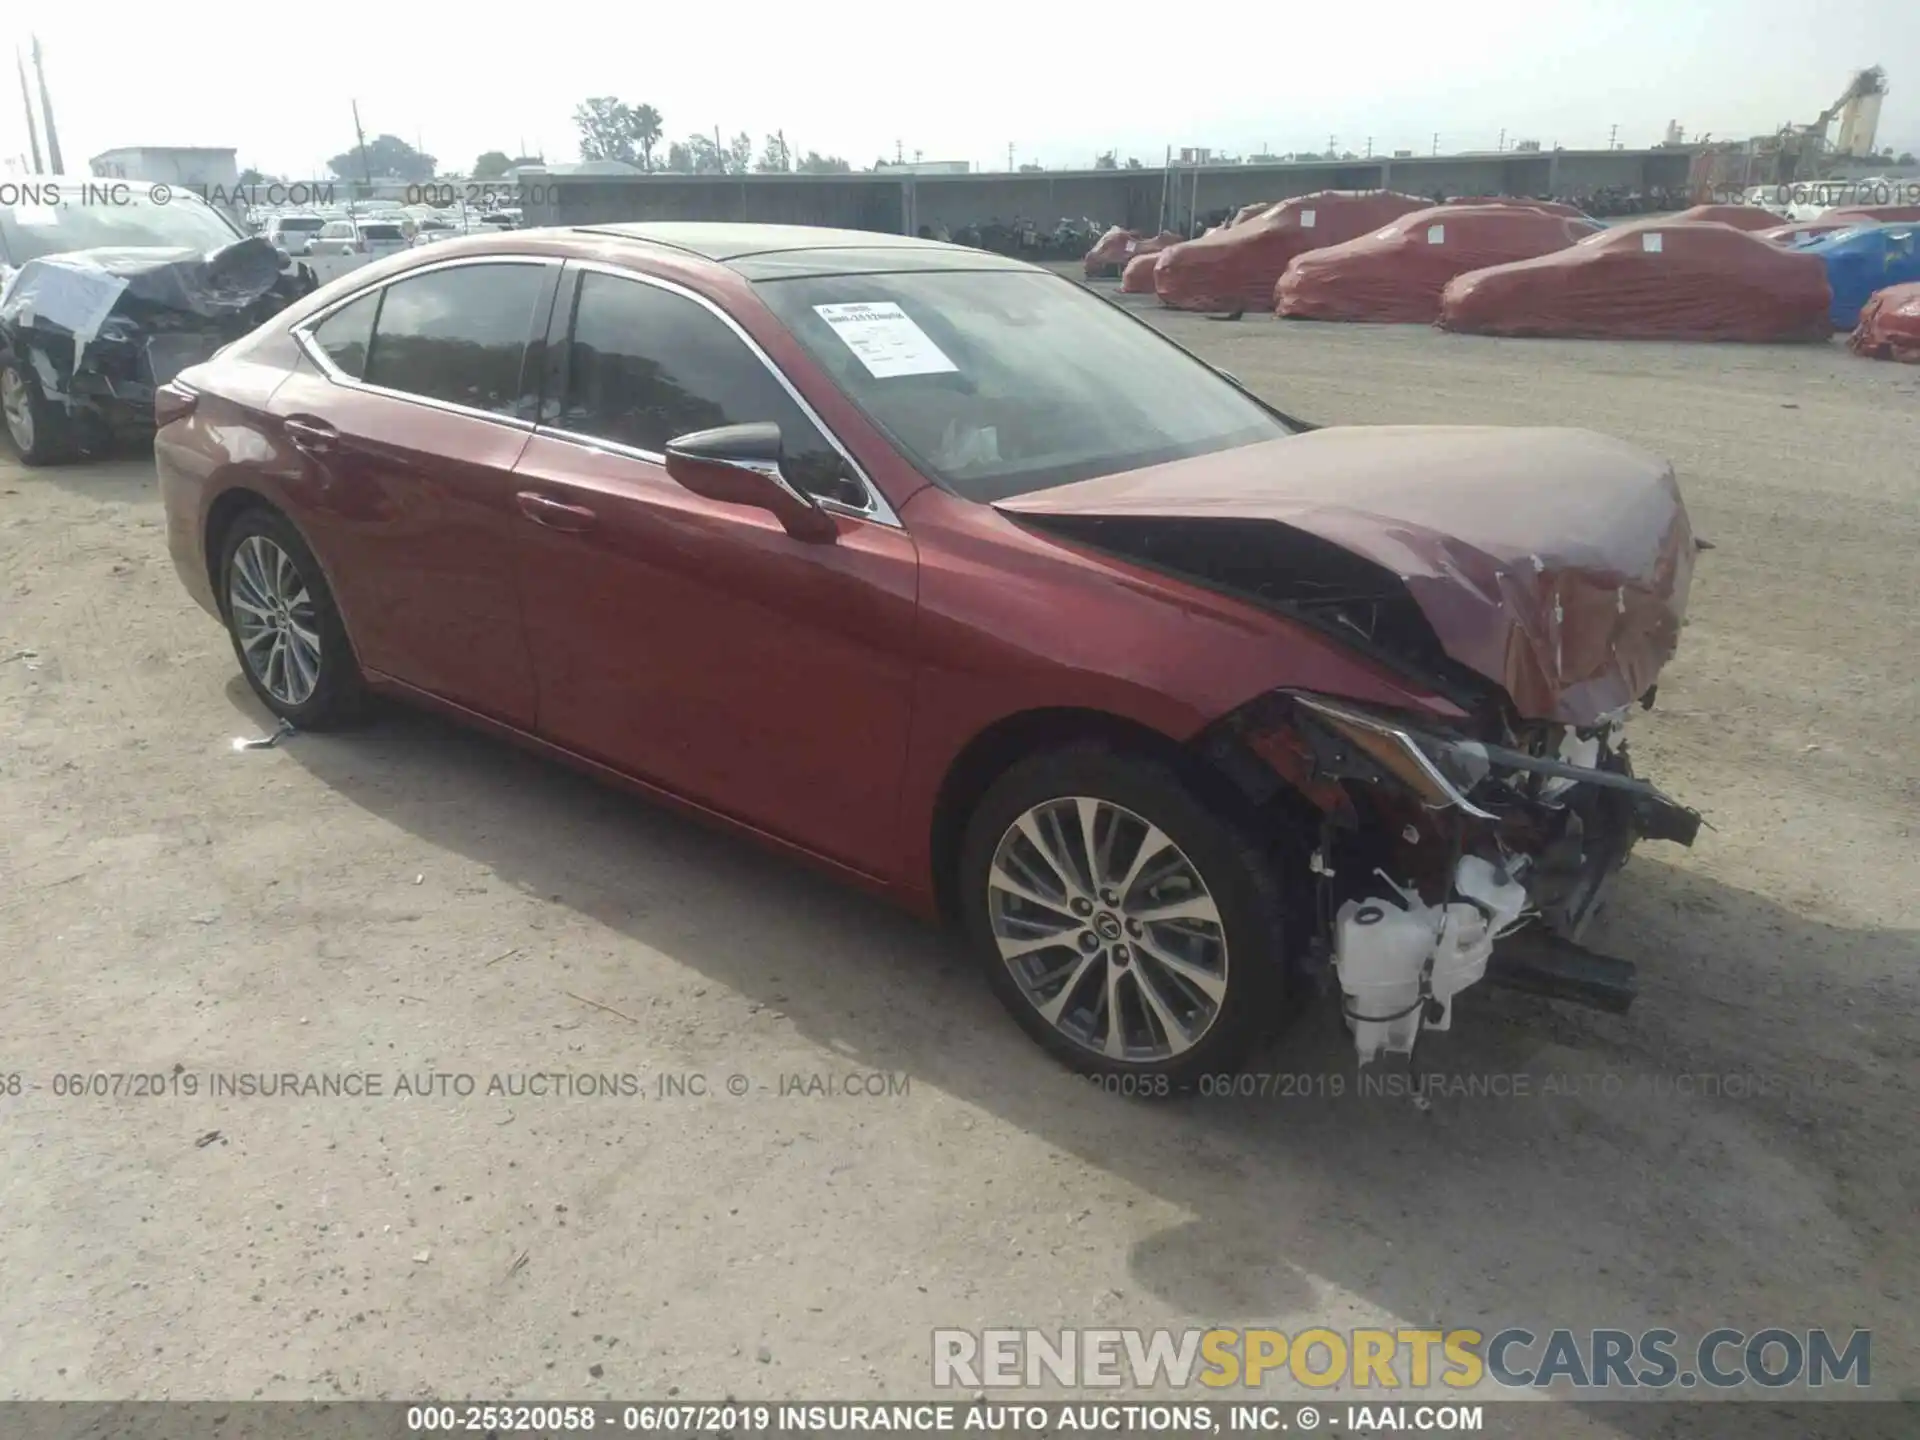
(762,252)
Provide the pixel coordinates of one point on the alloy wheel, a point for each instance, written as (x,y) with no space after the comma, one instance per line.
(17,405)
(274,619)
(1108,929)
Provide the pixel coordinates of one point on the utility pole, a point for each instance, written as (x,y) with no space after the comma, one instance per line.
(1501,148)
(1436,142)
(1612,135)
(360,139)
(26,99)
(46,113)
(1009,155)
(1369,147)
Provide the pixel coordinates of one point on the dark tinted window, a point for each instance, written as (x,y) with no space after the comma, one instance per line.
(458,335)
(647,365)
(380,232)
(345,334)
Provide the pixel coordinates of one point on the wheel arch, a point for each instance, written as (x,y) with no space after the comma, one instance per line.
(227,507)
(1224,774)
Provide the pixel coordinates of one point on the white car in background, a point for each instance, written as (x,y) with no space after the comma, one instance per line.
(370,238)
(294,233)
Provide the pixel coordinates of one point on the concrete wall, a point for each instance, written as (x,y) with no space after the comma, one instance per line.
(904,203)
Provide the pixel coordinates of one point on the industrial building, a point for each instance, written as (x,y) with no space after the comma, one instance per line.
(201,167)
(905,202)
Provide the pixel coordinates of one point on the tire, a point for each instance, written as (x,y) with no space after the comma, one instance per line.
(335,695)
(40,430)
(1242,878)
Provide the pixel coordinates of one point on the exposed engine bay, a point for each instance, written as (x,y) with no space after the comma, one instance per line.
(98,331)
(1433,846)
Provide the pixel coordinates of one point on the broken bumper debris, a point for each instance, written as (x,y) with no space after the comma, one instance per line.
(1434,846)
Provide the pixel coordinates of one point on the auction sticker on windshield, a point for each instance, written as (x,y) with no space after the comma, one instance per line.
(885,339)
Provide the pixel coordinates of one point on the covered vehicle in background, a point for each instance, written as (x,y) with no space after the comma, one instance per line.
(1740,217)
(1235,270)
(1795,231)
(1889,327)
(1395,275)
(1871,214)
(1515,202)
(1113,250)
(102,303)
(1654,280)
(1864,260)
(1137,278)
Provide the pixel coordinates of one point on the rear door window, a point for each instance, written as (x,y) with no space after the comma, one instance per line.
(459,335)
(345,335)
(645,365)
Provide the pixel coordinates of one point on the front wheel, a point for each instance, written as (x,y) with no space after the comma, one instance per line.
(39,428)
(1129,926)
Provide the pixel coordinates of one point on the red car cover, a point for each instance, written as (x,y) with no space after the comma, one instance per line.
(1137,278)
(1741,217)
(1552,207)
(1109,253)
(1797,230)
(1236,269)
(1654,280)
(1395,275)
(1872,214)
(1114,249)
(1247,212)
(1889,327)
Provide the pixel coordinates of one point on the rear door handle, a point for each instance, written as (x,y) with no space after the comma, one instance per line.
(316,437)
(555,514)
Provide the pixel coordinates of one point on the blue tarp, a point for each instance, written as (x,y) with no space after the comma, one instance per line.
(1864,260)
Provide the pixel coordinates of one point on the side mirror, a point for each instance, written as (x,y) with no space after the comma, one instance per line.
(740,465)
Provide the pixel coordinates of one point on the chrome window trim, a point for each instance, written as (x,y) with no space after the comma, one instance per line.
(877,509)
(310,347)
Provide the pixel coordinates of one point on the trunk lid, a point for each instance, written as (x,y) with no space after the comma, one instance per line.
(1553,562)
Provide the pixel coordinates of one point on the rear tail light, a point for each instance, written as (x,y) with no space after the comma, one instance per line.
(173,401)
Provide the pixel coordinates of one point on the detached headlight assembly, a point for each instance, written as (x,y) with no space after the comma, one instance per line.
(1437,770)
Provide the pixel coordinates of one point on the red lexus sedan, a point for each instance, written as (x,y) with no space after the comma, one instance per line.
(945,574)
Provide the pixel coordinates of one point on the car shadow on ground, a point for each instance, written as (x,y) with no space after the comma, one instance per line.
(1635,1170)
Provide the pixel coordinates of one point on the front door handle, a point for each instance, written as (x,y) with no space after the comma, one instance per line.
(555,514)
(312,435)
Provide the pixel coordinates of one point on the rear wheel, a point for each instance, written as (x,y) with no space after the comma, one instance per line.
(286,630)
(38,427)
(1128,926)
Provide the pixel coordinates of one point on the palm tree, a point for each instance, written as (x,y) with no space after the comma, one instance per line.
(646,133)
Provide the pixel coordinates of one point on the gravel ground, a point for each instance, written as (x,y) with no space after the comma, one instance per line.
(432,908)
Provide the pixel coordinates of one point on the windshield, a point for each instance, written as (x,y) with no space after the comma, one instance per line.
(380,232)
(997,383)
(302,222)
(30,231)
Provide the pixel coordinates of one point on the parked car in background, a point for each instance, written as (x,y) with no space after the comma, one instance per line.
(359,237)
(939,571)
(294,234)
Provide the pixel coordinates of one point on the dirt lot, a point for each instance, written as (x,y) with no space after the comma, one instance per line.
(415,902)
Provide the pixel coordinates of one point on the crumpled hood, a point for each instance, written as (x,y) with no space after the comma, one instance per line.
(1553,562)
(76,290)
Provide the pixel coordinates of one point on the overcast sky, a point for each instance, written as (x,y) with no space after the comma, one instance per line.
(1059,82)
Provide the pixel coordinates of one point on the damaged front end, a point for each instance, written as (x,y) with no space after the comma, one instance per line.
(96,332)
(1531,584)
(1437,842)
